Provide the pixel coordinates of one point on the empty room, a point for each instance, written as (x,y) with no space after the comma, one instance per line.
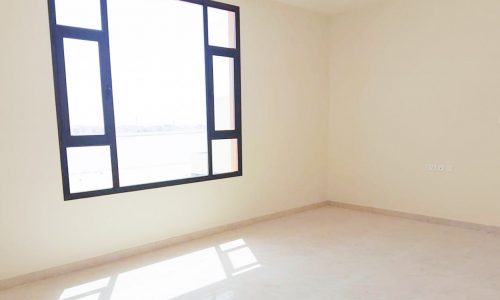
(250,149)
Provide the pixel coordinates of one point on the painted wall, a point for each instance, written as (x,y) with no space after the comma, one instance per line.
(417,82)
(285,99)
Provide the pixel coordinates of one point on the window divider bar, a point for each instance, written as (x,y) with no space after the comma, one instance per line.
(209,90)
(107,86)
(220,51)
(223,6)
(63,31)
(224,135)
(200,2)
(237,94)
(88,141)
(61,89)
(237,91)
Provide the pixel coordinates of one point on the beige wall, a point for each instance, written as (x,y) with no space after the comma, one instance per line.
(416,82)
(285,85)
(412,82)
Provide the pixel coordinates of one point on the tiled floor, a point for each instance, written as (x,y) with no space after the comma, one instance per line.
(327,253)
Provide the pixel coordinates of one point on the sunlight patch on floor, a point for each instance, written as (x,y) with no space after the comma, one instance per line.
(171,278)
(90,289)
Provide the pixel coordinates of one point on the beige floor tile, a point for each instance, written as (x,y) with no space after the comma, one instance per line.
(327,253)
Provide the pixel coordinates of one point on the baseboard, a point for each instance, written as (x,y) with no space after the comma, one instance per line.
(417,217)
(108,258)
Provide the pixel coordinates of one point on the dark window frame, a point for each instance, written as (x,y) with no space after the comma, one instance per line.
(66,140)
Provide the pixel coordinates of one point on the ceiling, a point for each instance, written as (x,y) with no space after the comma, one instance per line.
(330,6)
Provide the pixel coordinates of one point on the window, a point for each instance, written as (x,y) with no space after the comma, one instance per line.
(148,93)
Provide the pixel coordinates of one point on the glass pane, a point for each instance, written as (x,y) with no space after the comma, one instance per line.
(89,169)
(159,90)
(224,92)
(225,156)
(79,13)
(83,80)
(221,28)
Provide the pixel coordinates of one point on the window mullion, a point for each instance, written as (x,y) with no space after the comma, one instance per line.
(209,89)
(107,86)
